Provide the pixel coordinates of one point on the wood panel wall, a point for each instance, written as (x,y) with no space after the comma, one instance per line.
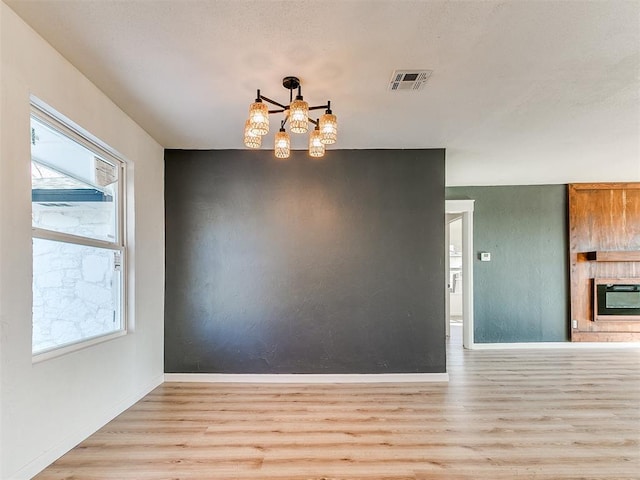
(603,218)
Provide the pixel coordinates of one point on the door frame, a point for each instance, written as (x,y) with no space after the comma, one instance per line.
(465,207)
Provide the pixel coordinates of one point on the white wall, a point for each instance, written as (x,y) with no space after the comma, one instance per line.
(47,407)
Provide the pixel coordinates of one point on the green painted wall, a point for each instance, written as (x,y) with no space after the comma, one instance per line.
(522,294)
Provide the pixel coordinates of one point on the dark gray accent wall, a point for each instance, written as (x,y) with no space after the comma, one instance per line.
(522,294)
(303,265)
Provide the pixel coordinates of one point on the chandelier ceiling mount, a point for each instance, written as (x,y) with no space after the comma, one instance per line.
(291,83)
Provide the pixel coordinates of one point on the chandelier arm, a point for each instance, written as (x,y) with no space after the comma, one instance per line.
(278,111)
(315,122)
(318,107)
(284,122)
(273,102)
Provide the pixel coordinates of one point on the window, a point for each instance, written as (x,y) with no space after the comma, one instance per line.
(78,238)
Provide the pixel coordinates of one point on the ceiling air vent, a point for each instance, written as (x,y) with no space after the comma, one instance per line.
(410,80)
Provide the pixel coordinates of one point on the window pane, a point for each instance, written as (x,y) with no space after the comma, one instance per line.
(73,190)
(76,293)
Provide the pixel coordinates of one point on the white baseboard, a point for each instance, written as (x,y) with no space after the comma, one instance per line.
(307,378)
(554,345)
(48,457)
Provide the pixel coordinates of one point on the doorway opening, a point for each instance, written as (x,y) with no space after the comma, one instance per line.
(455,284)
(459,272)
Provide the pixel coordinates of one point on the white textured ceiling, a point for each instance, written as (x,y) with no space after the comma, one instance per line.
(521,91)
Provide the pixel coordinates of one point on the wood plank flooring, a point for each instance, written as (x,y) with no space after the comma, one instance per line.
(530,414)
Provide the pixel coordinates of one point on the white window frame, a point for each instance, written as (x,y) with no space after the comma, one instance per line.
(45,114)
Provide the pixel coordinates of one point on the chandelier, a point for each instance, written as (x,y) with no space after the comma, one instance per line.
(296,113)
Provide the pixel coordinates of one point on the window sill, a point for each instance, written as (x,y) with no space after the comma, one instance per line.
(74,347)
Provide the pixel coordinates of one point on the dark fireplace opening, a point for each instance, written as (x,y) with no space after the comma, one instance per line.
(616,299)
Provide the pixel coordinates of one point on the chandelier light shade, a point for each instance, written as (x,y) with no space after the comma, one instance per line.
(329,126)
(259,117)
(251,139)
(299,115)
(316,147)
(283,144)
(296,113)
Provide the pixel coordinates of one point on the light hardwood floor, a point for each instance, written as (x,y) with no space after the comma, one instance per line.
(530,414)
